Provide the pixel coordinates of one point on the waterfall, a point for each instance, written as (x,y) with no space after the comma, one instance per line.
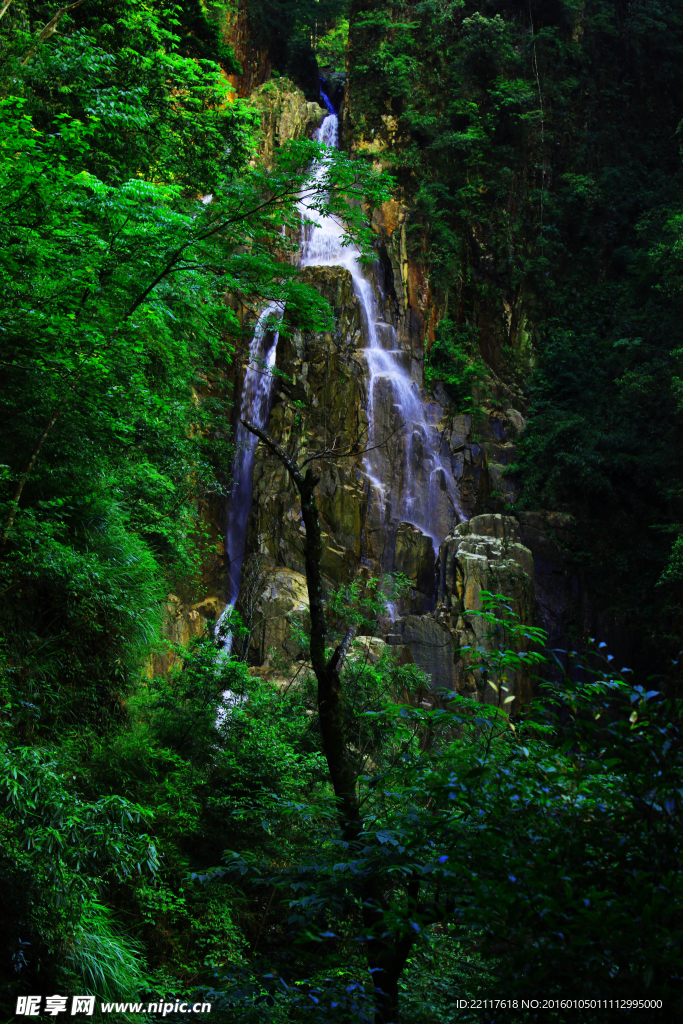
(408,464)
(324,97)
(254,406)
(409,474)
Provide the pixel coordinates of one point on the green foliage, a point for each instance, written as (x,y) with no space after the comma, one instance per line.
(287,29)
(439,970)
(514,854)
(453,360)
(331,47)
(60,853)
(201,36)
(74,843)
(104,959)
(359,604)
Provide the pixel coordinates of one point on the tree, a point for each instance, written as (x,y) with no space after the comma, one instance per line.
(387,948)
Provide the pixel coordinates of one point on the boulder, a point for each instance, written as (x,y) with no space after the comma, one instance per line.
(429,645)
(282,605)
(286,115)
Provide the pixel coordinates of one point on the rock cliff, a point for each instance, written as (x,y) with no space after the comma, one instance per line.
(321,395)
(286,115)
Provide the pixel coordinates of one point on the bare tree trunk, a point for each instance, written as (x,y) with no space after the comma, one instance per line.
(386,955)
(330,704)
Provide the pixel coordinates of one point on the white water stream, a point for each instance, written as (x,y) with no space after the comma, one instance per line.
(410,477)
(255,400)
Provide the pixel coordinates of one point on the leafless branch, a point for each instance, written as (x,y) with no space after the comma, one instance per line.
(351,450)
(278,450)
(49,29)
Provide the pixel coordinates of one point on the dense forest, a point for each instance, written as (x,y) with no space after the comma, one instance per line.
(341,510)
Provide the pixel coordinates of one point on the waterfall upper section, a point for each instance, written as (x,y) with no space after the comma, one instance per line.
(408,458)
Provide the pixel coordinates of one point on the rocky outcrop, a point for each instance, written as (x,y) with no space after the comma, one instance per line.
(321,402)
(279,612)
(286,115)
(484,554)
(484,449)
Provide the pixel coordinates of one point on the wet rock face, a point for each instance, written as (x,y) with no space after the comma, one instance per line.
(481,452)
(333,81)
(320,402)
(414,557)
(429,645)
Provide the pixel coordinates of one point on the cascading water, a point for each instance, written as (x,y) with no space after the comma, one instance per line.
(254,406)
(410,474)
(411,478)
(325,98)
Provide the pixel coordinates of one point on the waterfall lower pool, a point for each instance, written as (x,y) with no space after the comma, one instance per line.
(409,475)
